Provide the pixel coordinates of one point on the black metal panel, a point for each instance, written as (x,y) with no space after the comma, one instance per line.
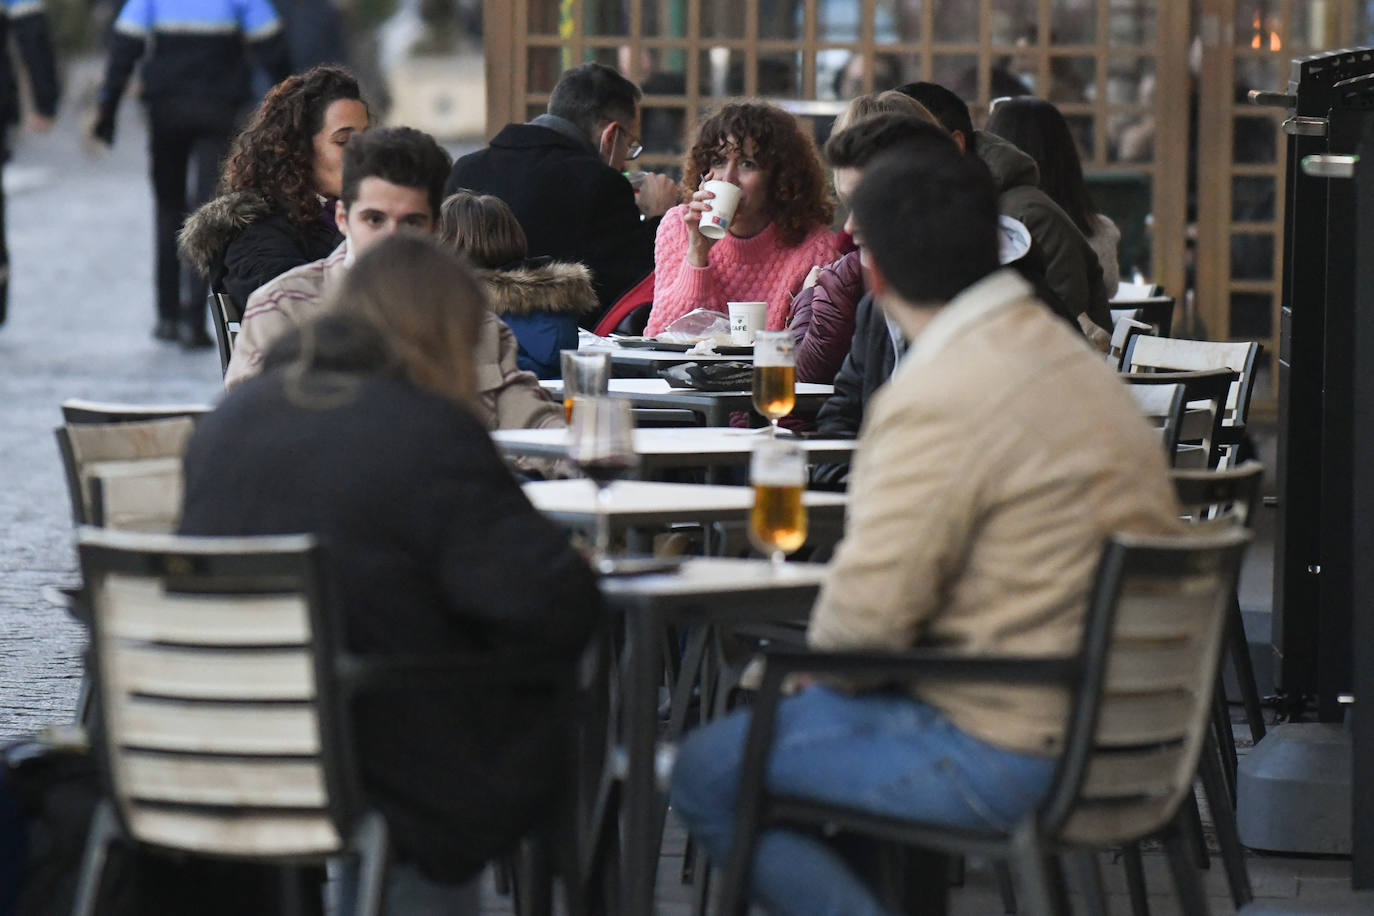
(1299,627)
(1362,525)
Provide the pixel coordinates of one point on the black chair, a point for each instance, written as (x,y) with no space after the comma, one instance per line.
(1202,439)
(227,318)
(1140,708)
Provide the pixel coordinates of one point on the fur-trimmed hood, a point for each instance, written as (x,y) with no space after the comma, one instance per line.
(541,285)
(208,231)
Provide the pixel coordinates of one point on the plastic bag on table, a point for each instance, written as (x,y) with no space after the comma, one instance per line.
(696,325)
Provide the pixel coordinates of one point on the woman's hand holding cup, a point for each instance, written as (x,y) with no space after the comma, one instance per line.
(709,212)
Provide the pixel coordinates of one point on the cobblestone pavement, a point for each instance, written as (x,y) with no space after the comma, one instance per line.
(80,316)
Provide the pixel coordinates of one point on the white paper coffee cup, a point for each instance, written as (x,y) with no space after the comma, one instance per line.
(715,222)
(745,319)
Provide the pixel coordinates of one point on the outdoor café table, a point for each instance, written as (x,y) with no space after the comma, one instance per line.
(639,504)
(674,447)
(716,406)
(703,591)
(643,360)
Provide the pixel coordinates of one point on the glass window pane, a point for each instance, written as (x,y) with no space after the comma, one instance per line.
(1257,21)
(664,18)
(786,19)
(663,130)
(1252,198)
(1252,315)
(1126,198)
(720,72)
(1132,137)
(956,72)
(606,17)
(1130,80)
(1252,256)
(722,19)
(897,20)
(955,20)
(1013,22)
(1133,24)
(1011,75)
(544,65)
(1073,79)
(1081,126)
(1254,140)
(780,75)
(836,20)
(1073,22)
(616,58)
(534,110)
(840,72)
(543,17)
(663,71)
(1266,71)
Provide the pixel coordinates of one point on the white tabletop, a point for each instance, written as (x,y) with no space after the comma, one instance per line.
(639,502)
(693,446)
(659,386)
(645,355)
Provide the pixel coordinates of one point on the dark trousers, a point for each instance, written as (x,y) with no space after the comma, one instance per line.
(183,141)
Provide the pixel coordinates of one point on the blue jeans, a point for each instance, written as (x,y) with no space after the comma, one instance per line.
(879,752)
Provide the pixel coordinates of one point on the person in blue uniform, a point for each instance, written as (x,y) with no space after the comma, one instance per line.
(26,22)
(196,81)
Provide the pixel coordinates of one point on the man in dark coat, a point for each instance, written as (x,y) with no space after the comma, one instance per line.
(561,175)
(27,22)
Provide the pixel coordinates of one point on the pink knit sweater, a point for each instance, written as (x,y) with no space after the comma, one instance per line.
(754,269)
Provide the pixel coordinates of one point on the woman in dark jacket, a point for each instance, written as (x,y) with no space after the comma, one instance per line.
(359,431)
(540,299)
(275,208)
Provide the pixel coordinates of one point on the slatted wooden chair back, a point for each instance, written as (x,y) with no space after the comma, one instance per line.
(1219,499)
(1162,408)
(1160,603)
(219,732)
(81,411)
(1156,311)
(1161,354)
(1201,440)
(121,450)
(143,495)
(1124,329)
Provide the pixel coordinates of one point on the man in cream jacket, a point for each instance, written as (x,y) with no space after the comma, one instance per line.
(990,468)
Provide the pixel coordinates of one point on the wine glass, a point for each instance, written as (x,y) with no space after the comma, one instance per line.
(602,445)
(585,375)
(775,375)
(777,523)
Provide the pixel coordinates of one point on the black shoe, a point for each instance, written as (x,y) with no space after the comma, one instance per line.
(165,329)
(194,338)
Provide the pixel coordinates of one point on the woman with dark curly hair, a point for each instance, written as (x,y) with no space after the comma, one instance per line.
(275,208)
(779,230)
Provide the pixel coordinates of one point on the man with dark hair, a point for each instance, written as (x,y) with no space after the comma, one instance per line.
(393,180)
(992,466)
(1071,266)
(877,342)
(561,176)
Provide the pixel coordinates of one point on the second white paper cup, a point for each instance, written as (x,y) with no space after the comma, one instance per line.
(716,221)
(745,319)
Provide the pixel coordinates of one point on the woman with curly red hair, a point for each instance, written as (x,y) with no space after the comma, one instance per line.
(779,230)
(275,208)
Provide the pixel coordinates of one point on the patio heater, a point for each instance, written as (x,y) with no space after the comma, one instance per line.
(1311,617)
(1295,791)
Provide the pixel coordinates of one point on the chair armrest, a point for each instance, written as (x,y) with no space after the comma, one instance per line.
(920,663)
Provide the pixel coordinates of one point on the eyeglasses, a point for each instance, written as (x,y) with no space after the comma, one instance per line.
(632,145)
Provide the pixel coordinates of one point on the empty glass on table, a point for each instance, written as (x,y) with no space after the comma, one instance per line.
(602,445)
(585,375)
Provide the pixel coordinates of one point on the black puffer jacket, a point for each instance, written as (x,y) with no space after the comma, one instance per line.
(241,240)
(432,549)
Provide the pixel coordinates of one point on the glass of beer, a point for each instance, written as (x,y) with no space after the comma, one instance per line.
(585,375)
(775,375)
(777,524)
(602,445)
